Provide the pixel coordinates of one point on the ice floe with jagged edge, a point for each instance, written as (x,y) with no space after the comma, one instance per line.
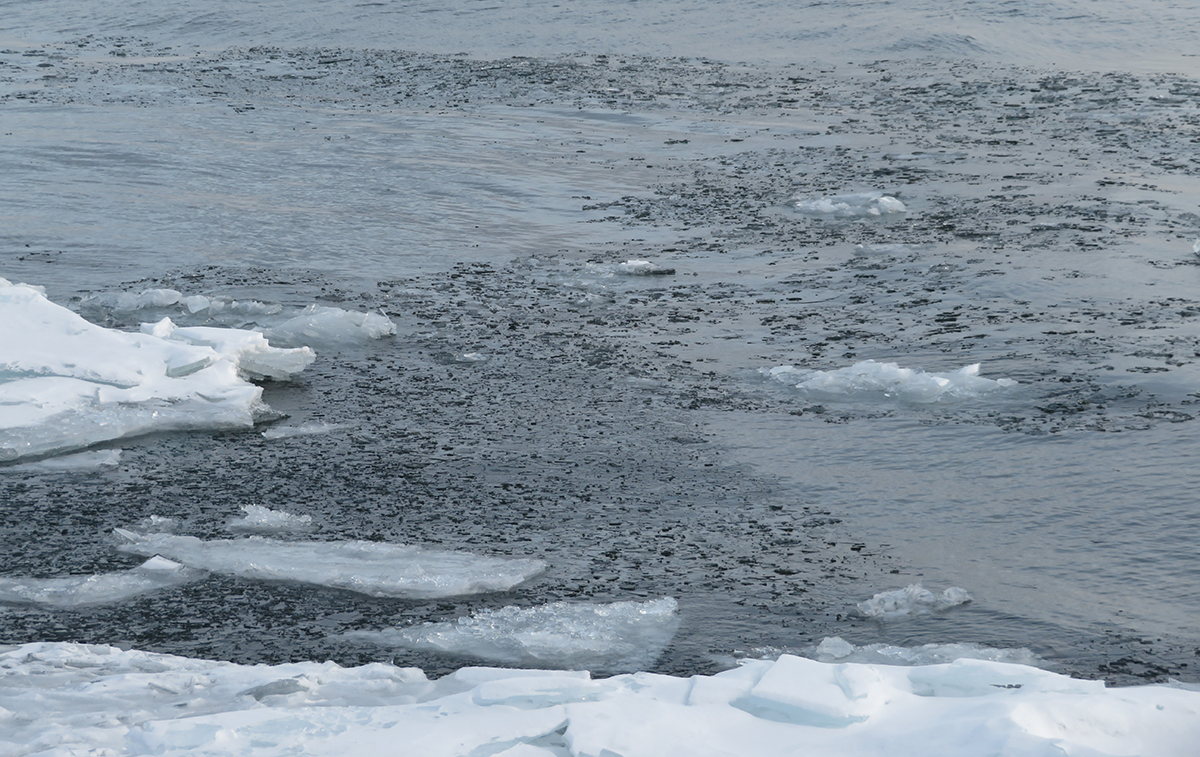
(613,637)
(67,384)
(858,205)
(264,519)
(61,698)
(913,599)
(377,569)
(871,380)
(98,588)
(318,325)
(313,428)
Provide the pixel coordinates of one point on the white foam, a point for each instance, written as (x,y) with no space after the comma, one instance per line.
(66,384)
(836,649)
(313,428)
(259,518)
(912,599)
(871,380)
(99,588)
(860,205)
(615,637)
(373,568)
(80,461)
(318,325)
(76,699)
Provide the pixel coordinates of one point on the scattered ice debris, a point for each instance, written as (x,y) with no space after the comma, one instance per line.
(80,461)
(644,268)
(319,325)
(304,429)
(869,379)
(100,588)
(373,568)
(861,205)
(836,649)
(259,518)
(616,637)
(912,599)
(67,384)
(60,698)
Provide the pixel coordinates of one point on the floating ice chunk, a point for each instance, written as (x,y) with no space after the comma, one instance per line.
(644,268)
(372,568)
(616,637)
(304,429)
(79,699)
(912,599)
(80,461)
(159,524)
(317,325)
(100,588)
(1196,246)
(472,357)
(129,301)
(869,379)
(66,383)
(259,518)
(861,205)
(836,649)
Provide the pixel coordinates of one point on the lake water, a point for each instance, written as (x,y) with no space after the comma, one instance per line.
(479,171)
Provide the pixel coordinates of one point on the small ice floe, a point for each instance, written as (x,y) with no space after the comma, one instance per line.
(472,357)
(836,649)
(67,384)
(868,379)
(76,463)
(61,698)
(861,205)
(264,519)
(99,588)
(1196,246)
(911,600)
(616,637)
(216,305)
(373,568)
(317,325)
(644,268)
(127,302)
(313,428)
(159,524)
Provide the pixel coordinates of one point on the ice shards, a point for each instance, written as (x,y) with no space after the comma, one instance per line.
(615,637)
(373,568)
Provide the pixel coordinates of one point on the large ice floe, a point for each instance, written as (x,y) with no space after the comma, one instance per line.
(871,380)
(60,699)
(913,599)
(100,588)
(66,383)
(614,637)
(374,568)
(859,205)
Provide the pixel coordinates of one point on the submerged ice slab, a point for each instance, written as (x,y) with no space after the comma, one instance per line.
(912,599)
(80,461)
(860,205)
(871,380)
(616,637)
(836,649)
(99,588)
(372,568)
(77,699)
(314,428)
(66,383)
(264,519)
(318,325)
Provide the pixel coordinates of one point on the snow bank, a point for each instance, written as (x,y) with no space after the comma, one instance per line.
(317,325)
(99,588)
(66,383)
(76,699)
(912,599)
(861,205)
(372,568)
(616,637)
(871,380)
(259,518)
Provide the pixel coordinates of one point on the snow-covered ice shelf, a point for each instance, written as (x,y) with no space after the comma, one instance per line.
(73,699)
